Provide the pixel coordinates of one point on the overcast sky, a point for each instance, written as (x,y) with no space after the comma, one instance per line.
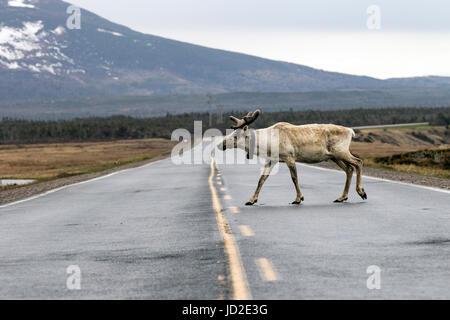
(414,38)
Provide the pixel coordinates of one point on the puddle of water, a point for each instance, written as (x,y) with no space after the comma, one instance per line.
(12,182)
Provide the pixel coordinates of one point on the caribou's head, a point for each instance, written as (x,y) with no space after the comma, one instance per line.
(239,137)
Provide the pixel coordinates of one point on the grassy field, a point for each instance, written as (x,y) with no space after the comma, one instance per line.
(49,161)
(404,149)
(426,162)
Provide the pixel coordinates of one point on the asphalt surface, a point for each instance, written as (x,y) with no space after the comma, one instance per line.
(145,233)
(321,250)
(151,233)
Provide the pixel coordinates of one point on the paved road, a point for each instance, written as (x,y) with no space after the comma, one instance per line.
(152,232)
(144,233)
(322,250)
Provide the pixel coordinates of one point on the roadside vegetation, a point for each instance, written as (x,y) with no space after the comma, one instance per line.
(434,163)
(44,162)
(423,150)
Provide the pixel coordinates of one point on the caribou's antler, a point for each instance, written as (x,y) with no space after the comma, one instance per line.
(247,120)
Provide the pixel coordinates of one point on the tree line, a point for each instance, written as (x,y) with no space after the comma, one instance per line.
(17,131)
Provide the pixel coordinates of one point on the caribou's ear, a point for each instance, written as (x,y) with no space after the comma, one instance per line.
(234,119)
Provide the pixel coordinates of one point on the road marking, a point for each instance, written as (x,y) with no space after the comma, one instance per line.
(219,183)
(227,197)
(46,193)
(241,289)
(246,231)
(223,189)
(384,180)
(266,270)
(234,210)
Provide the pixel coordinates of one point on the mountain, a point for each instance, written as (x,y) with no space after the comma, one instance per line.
(155,106)
(40,58)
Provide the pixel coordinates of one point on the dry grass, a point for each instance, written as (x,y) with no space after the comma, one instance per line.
(50,161)
(377,149)
(394,141)
(411,168)
(387,142)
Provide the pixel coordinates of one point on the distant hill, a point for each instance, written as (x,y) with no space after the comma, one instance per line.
(41,59)
(155,106)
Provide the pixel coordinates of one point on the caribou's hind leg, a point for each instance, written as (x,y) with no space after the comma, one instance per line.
(293,169)
(267,169)
(348,169)
(357,163)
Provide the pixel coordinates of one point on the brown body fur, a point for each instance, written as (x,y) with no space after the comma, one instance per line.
(312,143)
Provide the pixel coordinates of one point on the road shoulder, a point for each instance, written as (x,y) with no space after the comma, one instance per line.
(11,195)
(398,176)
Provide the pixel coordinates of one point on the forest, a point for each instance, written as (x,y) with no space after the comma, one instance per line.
(17,131)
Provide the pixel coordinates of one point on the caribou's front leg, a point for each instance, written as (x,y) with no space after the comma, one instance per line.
(267,169)
(293,169)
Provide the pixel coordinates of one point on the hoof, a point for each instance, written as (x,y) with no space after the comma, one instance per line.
(340,200)
(363,195)
(299,202)
(251,203)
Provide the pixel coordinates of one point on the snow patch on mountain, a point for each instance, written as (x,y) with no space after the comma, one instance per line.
(15,42)
(59,30)
(117,34)
(8,65)
(34,49)
(20,4)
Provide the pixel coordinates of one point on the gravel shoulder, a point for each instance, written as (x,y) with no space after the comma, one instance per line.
(23,192)
(398,176)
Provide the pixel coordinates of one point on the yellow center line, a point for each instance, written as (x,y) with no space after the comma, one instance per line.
(241,289)
(266,270)
(246,231)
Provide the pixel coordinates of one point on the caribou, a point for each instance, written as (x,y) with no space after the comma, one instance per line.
(313,143)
